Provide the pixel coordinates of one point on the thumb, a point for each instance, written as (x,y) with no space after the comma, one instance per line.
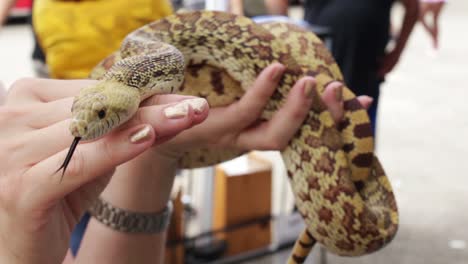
(89,162)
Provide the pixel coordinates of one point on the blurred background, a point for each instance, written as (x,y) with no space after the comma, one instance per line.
(421,140)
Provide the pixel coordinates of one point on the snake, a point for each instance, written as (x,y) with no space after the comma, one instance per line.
(339,186)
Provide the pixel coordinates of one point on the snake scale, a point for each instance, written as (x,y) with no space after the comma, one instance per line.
(339,186)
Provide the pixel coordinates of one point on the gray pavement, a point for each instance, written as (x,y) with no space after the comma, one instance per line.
(422,141)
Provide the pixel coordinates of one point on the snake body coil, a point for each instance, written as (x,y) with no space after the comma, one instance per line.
(339,186)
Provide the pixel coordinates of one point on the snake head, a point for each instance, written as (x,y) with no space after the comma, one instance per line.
(100,108)
(97,110)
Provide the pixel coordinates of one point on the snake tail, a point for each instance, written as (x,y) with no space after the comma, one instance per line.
(302,248)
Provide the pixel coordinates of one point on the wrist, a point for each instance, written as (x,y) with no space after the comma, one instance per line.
(15,246)
(142,186)
(129,221)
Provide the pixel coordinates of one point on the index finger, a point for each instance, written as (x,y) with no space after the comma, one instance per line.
(249,108)
(31,90)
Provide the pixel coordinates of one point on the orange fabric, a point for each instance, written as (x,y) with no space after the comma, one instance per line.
(76,35)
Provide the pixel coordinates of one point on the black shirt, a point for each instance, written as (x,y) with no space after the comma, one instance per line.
(360,33)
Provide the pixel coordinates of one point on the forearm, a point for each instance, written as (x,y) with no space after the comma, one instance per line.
(143,194)
(236,7)
(5,7)
(410,19)
(104,245)
(277,7)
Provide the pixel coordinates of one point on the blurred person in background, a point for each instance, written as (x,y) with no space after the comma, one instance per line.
(253,8)
(77,35)
(5,7)
(360,33)
(71,37)
(37,56)
(431,8)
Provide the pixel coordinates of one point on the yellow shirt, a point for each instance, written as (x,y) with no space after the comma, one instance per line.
(76,35)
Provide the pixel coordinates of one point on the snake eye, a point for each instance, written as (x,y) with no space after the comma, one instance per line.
(102,113)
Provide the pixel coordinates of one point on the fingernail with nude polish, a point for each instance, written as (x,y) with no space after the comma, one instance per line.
(198,104)
(277,73)
(309,85)
(339,93)
(181,109)
(141,135)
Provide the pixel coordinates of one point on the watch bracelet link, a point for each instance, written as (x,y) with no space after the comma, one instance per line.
(129,221)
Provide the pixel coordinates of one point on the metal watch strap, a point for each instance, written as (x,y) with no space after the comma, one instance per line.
(131,222)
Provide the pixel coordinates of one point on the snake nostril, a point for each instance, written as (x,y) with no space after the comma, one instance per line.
(74,130)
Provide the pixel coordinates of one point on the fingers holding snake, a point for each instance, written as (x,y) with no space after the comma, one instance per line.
(45,114)
(89,162)
(167,120)
(165,99)
(236,118)
(164,121)
(333,94)
(366,101)
(275,133)
(176,115)
(33,90)
(333,98)
(287,120)
(254,100)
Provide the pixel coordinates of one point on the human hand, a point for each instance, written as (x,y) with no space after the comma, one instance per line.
(38,210)
(431,8)
(235,127)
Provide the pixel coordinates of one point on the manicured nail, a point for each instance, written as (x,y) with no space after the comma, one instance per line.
(198,104)
(339,93)
(277,73)
(176,111)
(309,85)
(181,109)
(141,135)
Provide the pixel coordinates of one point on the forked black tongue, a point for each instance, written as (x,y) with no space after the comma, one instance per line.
(69,156)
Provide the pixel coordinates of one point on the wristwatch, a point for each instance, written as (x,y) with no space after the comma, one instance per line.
(131,222)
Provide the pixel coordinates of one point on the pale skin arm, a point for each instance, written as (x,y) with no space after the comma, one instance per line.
(236,7)
(38,209)
(390,60)
(144,183)
(277,7)
(5,7)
